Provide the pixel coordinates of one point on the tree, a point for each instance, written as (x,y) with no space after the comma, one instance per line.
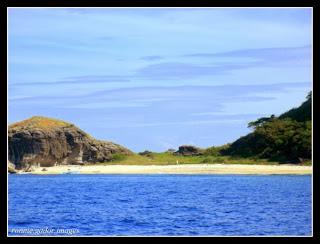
(260,121)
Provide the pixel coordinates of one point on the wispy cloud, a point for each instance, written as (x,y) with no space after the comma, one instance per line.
(225,115)
(152,58)
(106,38)
(88,79)
(99,78)
(263,57)
(180,123)
(218,94)
(179,70)
(298,55)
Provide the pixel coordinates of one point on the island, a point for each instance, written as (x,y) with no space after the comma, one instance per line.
(277,145)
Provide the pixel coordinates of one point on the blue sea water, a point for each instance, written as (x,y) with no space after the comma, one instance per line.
(158,205)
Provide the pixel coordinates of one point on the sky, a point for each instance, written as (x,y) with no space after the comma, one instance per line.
(158,78)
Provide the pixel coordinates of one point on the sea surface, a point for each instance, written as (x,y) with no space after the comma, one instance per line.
(159,205)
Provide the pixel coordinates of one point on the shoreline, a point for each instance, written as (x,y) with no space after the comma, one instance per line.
(175,169)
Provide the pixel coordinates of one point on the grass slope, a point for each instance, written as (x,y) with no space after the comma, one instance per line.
(39,122)
(166,158)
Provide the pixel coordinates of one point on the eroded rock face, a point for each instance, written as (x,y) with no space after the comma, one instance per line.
(41,141)
(188,150)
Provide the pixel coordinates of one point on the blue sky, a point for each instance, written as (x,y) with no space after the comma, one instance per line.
(157,78)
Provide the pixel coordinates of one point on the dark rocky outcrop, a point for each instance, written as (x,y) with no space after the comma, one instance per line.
(188,150)
(41,141)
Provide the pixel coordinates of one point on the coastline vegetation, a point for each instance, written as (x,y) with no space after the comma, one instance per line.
(274,140)
(166,158)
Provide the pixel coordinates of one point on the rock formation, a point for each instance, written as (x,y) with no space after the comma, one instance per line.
(188,150)
(41,141)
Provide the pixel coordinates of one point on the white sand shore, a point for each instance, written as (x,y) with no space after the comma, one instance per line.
(177,169)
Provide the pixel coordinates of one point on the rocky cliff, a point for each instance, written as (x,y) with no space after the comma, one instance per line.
(41,141)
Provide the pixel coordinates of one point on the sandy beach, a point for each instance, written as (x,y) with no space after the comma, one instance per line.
(176,169)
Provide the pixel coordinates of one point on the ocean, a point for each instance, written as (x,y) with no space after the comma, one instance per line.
(159,205)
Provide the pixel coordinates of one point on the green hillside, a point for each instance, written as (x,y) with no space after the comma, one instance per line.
(302,113)
(286,138)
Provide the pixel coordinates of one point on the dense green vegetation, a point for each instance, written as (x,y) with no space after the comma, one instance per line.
(286,138)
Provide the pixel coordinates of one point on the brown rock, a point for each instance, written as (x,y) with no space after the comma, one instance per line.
(42,141)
